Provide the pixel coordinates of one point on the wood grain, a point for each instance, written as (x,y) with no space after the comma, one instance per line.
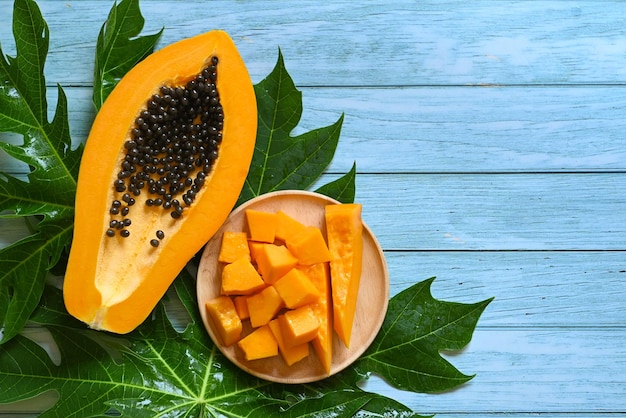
(495,211)
(539,289)
(490,150)
(375,43)
(520,371)
(446,128)
(488,211)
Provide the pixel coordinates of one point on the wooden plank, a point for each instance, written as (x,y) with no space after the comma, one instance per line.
(495,212)
(524,371)
(474,129)
(447,129)
(531,289)
(591,414)
(376,42)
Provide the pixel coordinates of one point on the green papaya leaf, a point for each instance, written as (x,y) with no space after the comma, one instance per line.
(343,189)
(46,149)
(282,161)
(119,48)
(157,371)
(417,326)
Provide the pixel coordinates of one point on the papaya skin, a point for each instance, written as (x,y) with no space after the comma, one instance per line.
(114,283)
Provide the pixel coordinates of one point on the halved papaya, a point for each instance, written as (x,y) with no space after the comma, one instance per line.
(163,166)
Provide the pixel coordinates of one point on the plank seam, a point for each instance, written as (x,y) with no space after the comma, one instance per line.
(520,250)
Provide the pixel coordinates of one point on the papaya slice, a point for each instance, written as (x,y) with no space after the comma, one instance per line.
(259,344)
(223,312)
(291,354)
(162,168)
(234,246)
(344,231)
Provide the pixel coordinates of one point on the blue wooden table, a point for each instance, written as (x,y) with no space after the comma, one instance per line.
(490,143)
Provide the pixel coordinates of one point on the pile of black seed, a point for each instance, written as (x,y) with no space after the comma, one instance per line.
(171,150)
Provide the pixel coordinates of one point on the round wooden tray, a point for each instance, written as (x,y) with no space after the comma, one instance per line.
(308,208)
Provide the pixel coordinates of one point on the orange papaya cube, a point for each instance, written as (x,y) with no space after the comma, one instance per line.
(286,226)
(263,306)
(254,247)
(323,341)
(241,306)
(259,344)
(234,246)
(261,225)
(308,246)
(274,261)
(290,354)
(299,325)
(296,289)
(240,278)
(344,232)
(222,312)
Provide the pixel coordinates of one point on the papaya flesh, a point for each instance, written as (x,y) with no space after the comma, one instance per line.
(344,229)
(163,166)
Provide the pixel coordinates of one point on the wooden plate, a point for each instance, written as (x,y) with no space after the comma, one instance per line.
(308,208)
